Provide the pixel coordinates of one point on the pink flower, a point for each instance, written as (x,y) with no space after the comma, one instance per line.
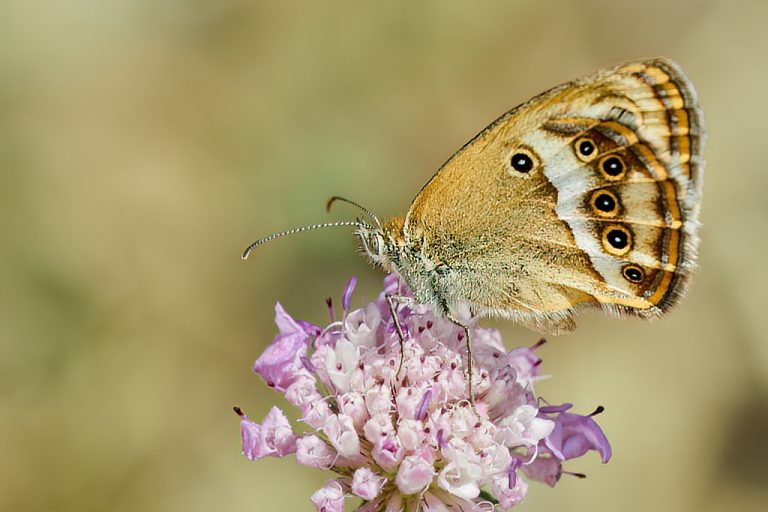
(416,472)
(411,440)
(462,475)
(329,498)
(274,437)
(522,427)
(366,483)
(312,451)
(388,452)
(509,496)
(342,434)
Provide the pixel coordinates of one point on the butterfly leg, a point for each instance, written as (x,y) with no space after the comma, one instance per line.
(392,301)
(470,360)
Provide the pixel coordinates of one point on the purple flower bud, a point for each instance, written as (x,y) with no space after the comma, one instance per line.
(421,411)
(441,439)
(347,296)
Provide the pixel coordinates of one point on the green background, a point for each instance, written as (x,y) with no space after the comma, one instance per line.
(144,143)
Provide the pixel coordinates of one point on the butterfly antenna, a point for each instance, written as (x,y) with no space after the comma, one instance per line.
(345,200)
(266,239)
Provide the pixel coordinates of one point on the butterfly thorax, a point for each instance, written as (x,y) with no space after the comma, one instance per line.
(408,255)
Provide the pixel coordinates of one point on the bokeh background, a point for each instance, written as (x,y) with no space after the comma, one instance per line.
(144,143)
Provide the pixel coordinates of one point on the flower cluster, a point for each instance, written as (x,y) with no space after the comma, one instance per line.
(408,438)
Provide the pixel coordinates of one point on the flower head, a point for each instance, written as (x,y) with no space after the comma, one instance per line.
(406,437)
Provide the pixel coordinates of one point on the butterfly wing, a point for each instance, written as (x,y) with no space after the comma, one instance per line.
(585,196)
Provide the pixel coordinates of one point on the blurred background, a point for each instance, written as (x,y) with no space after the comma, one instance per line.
(144,143)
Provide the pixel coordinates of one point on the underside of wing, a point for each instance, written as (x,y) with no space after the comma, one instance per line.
(606,216)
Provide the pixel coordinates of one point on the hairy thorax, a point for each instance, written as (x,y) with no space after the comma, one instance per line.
(429,276)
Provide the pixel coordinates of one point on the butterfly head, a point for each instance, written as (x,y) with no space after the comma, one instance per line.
(382,243)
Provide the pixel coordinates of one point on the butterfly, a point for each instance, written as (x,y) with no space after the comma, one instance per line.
(585,197)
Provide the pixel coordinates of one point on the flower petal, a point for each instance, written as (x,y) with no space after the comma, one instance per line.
(574,435)
(280,365)
(254,446)
(544,469)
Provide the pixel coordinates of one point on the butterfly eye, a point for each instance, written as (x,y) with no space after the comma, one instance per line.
(374,244)
(633,273)
(617,240)
(586,149)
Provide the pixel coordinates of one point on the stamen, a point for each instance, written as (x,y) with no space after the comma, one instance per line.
(421,410)
(238,411)
(441,439)
(512,472)
(597,411)
(308,364)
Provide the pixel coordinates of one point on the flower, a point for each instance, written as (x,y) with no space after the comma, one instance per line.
(273,437)
(329,498)
(408,437)
(366,483)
